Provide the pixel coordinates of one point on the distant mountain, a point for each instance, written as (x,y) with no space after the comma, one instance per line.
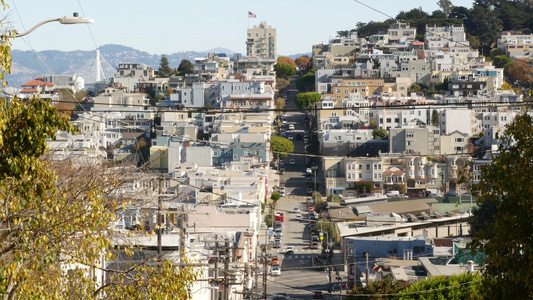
(27,65)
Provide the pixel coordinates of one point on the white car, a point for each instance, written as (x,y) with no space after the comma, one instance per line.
(276,271)
(291,127)
(308,171)
(282,192)
(297,210)
(289,250)
(292,162)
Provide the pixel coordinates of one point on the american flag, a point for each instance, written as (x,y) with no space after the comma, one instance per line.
(251,15)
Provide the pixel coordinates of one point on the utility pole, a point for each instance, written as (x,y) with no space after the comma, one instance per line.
(159,225)
(226,270)
(256,294)
(216,261)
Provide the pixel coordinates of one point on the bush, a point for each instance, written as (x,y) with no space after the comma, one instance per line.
(275,196)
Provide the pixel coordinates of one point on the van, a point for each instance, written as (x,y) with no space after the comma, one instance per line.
(393,194)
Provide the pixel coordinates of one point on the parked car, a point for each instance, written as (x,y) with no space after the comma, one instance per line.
(290,137)
(291,127)
(289,250)
(314,245)
(282,192)
(433,195)
(466,194)
(276,271)
(308,178)
(309,171)
(450,194)
(318,295)
(310,208)
(292,162)
(297,210)
(277,243)
(309,191)
(275,260)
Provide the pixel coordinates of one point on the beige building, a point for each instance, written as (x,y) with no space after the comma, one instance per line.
(516,44)
(262,42)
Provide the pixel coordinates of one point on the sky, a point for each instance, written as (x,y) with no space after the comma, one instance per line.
(170,26)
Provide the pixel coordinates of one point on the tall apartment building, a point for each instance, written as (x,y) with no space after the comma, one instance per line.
(262,42)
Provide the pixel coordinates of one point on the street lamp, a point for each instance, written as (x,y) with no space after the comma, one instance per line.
(75,19)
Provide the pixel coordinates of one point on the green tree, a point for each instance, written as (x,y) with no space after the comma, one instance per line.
(164,69)
(415,88)
(305,100)
(284,71)
(373,124)
(506,240)
(500,61)
(386,286)
(275,196)
(435,118)
(446,6)
(185,67)
(380,134)
(280,146)
(459,287)
(306,83)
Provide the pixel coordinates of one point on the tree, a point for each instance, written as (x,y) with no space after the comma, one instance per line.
(386,286)
(506,240)
(415,88)
(280,146)
(286,60)
(281,84)
(306,83)
(380,134)
(500,61)
(305,100)
(446,6)
(280,103)
(522,70)
(185,67)
(303,62)
(464,286)
(275,196)
(164,69)
(373,124)
(435,118)
(284,70)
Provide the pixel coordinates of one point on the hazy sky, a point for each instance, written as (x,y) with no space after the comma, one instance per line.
(169,26)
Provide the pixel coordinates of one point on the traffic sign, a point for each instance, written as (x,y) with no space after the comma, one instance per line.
(321,238)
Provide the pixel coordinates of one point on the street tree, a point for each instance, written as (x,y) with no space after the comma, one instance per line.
(280,103)
(286,60)
(505,236)
(284,71)
(305,100)
(306,83)
(185,67)
(281,146)
(303,62)
(281,84)
(164,69)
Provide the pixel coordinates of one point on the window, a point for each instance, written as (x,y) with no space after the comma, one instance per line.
(360,167)
(410,143)
(388,120)
(338,91)
(410,134)
(360,176)
(368,167)
(458,149)
(459,140)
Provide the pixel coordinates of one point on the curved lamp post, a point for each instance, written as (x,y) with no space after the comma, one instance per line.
(75,19)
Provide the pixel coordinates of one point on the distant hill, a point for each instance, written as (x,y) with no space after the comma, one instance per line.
(28,65)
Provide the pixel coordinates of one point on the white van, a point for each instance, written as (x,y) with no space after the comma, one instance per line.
(393,194)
